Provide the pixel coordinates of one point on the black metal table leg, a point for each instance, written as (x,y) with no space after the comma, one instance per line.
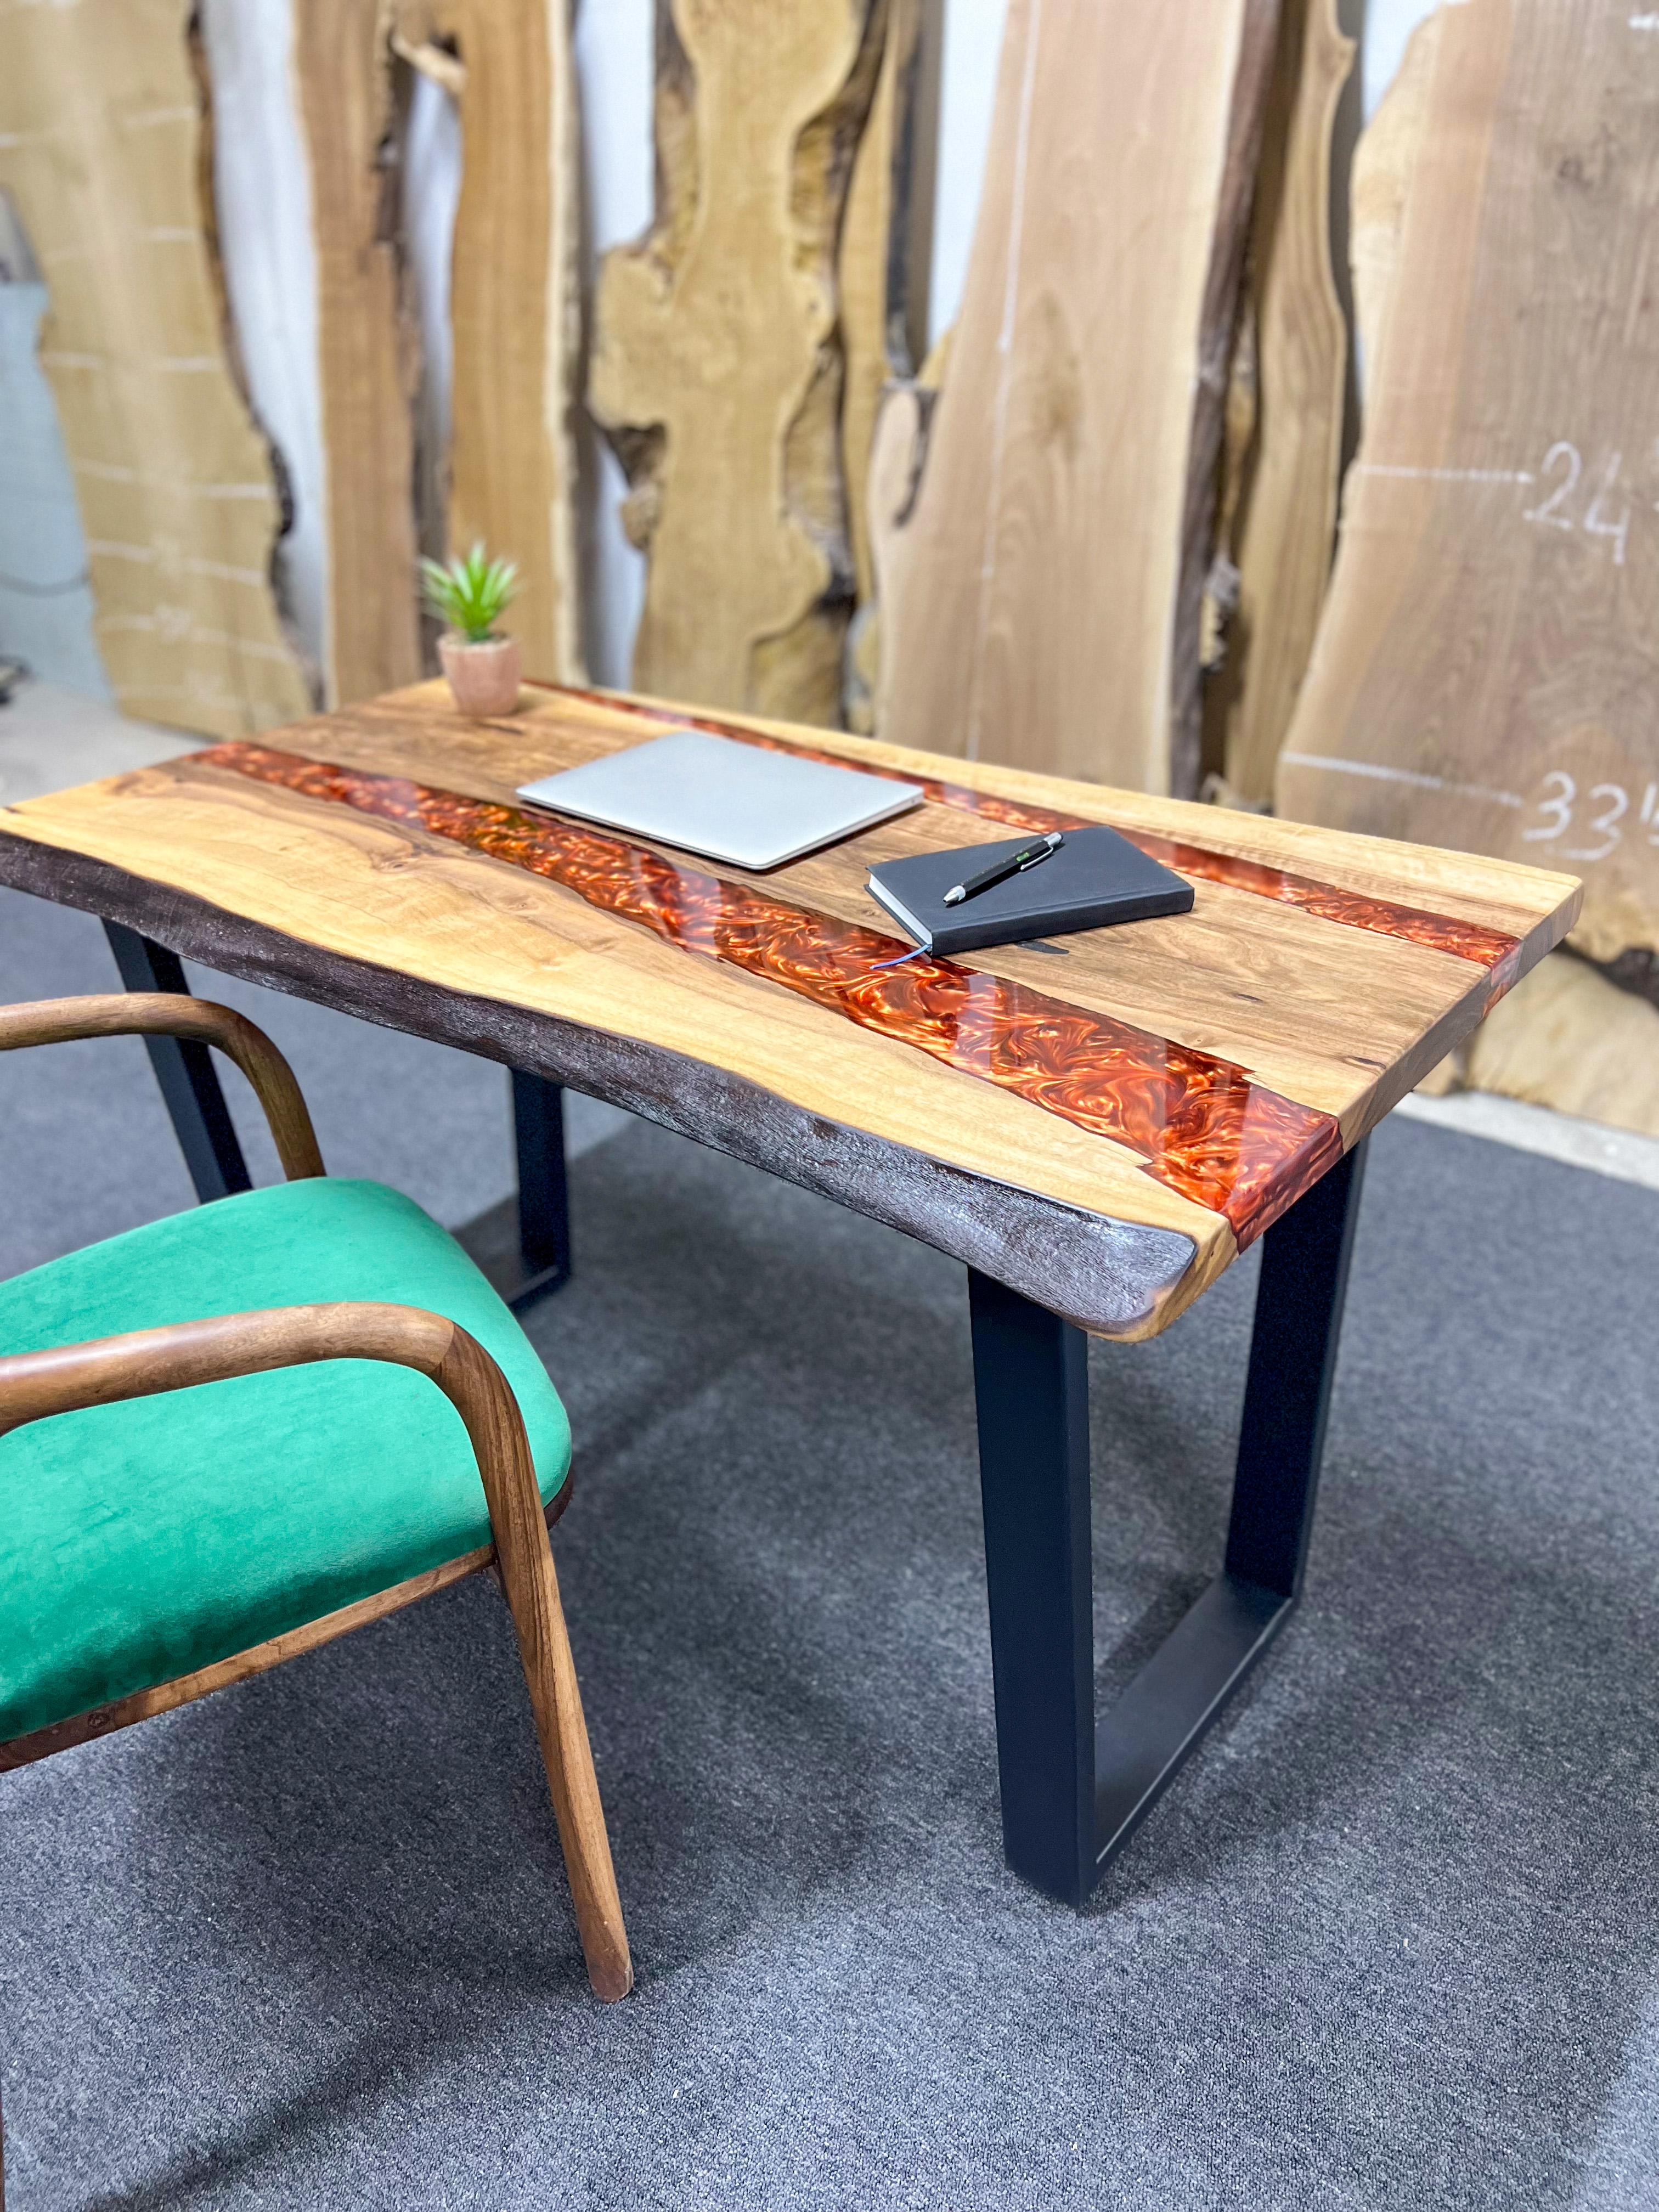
(183,1069)
(1031,1384)
(523,1244)
(1073,1790)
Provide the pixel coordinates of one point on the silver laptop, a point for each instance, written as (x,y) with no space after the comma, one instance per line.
(726,801)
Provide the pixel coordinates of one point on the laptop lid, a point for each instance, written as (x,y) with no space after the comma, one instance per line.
(725,799)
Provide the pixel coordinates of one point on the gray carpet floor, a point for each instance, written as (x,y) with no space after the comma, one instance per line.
(1393,1940)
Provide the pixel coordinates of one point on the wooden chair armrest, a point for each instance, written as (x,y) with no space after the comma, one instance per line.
(35,1385)
(68,1378)
(159,1014)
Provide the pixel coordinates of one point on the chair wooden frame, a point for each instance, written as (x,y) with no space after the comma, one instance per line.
(35,1386)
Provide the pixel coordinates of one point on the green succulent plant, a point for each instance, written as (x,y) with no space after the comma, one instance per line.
(470,595)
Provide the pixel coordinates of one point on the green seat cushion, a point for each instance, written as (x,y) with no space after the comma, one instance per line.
(141,1540)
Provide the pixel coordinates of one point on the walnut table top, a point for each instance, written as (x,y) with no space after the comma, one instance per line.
(1103,1124)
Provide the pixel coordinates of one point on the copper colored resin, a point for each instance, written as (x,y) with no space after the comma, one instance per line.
(1441,932)
(1199,1124)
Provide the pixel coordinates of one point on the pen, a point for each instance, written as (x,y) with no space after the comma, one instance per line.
(1015,865)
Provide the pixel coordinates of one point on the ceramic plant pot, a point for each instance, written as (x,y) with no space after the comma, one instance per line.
(483,677)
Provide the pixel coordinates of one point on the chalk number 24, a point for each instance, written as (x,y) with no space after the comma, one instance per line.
(1598,521)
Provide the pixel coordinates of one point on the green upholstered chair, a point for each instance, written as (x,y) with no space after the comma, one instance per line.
(234,1434)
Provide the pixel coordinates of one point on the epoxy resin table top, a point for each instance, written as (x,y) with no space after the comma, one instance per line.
(1103,1124)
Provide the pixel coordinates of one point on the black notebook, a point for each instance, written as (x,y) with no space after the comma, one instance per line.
(1094,878)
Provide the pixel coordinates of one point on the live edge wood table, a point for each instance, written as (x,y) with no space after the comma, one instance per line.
(1097,1129)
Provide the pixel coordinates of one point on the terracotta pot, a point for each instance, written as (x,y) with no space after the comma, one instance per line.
(484,678)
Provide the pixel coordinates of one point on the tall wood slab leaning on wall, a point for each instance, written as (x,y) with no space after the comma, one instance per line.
(104,146)
(717,371)
(1484,673)
(1056,544)
(878,262)
(514,306)
(886,249)
(1379,185)
(1284,528)
(342,67)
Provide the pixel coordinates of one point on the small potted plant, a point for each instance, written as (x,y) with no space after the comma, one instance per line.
(470,596)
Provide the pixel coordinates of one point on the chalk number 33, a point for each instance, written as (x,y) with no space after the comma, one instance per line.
(1607,804)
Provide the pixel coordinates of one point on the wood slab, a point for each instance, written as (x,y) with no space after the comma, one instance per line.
(1103,1124)
(1063,522)
(1283,523)
(106,145)
(717,371)
(1379,185)
(342,66)
(1483,673)
(898,455)
(881,265)
(1569,1039)
(514,302)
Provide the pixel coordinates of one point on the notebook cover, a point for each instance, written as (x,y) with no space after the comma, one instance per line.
(1095,877)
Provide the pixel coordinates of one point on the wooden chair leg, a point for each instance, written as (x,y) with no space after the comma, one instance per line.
(550,1672)
(480,1394)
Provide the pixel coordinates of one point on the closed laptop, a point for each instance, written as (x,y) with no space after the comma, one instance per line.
(725,799)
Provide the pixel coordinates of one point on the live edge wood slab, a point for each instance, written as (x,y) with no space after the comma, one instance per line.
(1102,1124)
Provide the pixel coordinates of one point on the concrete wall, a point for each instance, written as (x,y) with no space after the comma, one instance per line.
(45,596)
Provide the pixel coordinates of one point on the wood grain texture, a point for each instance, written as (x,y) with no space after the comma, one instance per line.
(105,145)
(898,455)
(1379,185)
(414,929)
(1283,530)
(717,369)
(1239,422)
(1483,666)
(155,1014)
(898,451)
(342,67)
(66,1378)
(1058,544)
(1194,1120)
(515,305)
